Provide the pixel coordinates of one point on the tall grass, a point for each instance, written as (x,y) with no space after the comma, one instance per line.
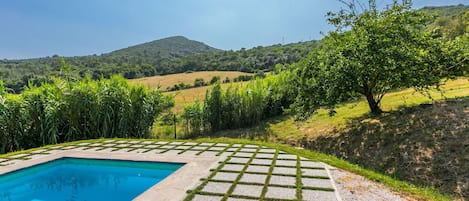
(64,111)
(237,107)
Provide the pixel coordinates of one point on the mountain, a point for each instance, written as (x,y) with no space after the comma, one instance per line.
(164,56)
(178,54)
(171,47)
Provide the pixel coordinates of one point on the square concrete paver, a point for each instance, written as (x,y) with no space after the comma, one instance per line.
(134,141)
(318,195)
(151,146)
(221,145)
(314,172)
(251,146)
(286,156)
(281,193)
(172,152)
(3,159)
(198,148)
(261,155)
(239,199)
(183,147)
(176,143)
(190,143)
(284,170)
(216,148)
(312,164)
(155,151)
(233,167)
(38,151)
(253,178)
(247,150)
(108,141)
(286,163)
(267,151)
(236,145)
(256,168)
(83,144)
(109,145)
(206,198)
(91,145)
(232,149)
(124,150)
(11,162)
(283,180)
(137,145)
(217,187)
(208,153)
(107,150)
(18,156)
(225,176)
(261,162)
(238,160)
(311,182)
(139,150)
(162,142)
(147,142)
(242,154)
(190,153)
(123,145)
(248,190)
(206,144)
(167,147)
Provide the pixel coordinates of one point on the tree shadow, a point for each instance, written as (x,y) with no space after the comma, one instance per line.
(258,132)
(427,145)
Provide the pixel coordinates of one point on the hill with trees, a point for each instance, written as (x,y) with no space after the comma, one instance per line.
(178,54)
(160,57)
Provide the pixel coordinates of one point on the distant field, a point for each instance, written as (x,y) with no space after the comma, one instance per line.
(187,78)
(189,96)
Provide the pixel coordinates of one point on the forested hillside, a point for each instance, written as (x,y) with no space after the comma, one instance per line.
(161,57)
(178,54)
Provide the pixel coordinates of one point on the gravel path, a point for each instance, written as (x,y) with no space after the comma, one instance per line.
(352,187)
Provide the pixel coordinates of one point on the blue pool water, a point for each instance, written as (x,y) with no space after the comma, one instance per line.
(76,179)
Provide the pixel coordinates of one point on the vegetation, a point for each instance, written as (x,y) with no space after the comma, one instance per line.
(167,81)
(372,53)
(142,61)
(66,111)
(410,190)
(237,107)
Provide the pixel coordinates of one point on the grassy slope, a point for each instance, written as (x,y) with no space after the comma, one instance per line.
(285,129)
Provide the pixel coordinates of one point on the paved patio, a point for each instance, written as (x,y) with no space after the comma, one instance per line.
(244,172)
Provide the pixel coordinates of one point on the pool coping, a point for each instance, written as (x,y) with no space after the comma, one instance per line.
(173,187)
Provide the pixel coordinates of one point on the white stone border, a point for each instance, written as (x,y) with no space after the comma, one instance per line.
(173,187)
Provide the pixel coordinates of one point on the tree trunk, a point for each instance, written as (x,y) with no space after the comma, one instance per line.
(373,104)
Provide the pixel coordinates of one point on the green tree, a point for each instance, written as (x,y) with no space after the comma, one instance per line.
(198,82)
(370,54)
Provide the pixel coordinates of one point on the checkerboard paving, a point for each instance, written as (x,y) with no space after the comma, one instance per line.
(245,172)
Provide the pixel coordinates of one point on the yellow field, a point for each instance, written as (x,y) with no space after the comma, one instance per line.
(187,78)
(190,96)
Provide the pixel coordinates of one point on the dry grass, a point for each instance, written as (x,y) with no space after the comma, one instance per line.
(187,78)
(190,96)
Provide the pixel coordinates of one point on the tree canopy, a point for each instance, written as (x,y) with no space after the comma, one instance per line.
(371,53)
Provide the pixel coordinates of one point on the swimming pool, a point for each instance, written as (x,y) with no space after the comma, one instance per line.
(83,179)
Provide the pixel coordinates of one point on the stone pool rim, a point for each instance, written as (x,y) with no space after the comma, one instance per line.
(173,187)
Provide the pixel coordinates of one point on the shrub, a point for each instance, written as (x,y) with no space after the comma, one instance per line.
(67,111)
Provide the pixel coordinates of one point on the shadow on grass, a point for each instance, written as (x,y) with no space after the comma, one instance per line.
(426,145)
(259,132)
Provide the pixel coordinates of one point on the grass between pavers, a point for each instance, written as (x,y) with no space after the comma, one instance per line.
(417,192)
(420,193)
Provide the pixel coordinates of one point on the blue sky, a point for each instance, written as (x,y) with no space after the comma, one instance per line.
(32,28)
